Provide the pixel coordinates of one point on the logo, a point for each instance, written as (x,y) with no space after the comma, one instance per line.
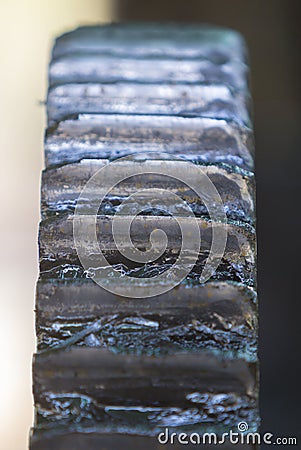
(172,208)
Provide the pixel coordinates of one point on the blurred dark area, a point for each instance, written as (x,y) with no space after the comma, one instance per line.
(271,29)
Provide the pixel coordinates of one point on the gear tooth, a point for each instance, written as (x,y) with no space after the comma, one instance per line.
(149,146)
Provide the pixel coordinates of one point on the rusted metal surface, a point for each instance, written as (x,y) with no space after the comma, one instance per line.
(112,370)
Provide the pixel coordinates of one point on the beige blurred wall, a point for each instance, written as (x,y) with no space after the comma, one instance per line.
(27,29)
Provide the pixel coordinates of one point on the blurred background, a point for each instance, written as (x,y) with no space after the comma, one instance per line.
(271,29)
(27,30)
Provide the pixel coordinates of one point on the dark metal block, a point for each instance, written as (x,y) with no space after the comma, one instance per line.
(200,100)
(61,187)
(217,316)
(97,389)
(113,136)
(87,68)
(58,251)
(151,39)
